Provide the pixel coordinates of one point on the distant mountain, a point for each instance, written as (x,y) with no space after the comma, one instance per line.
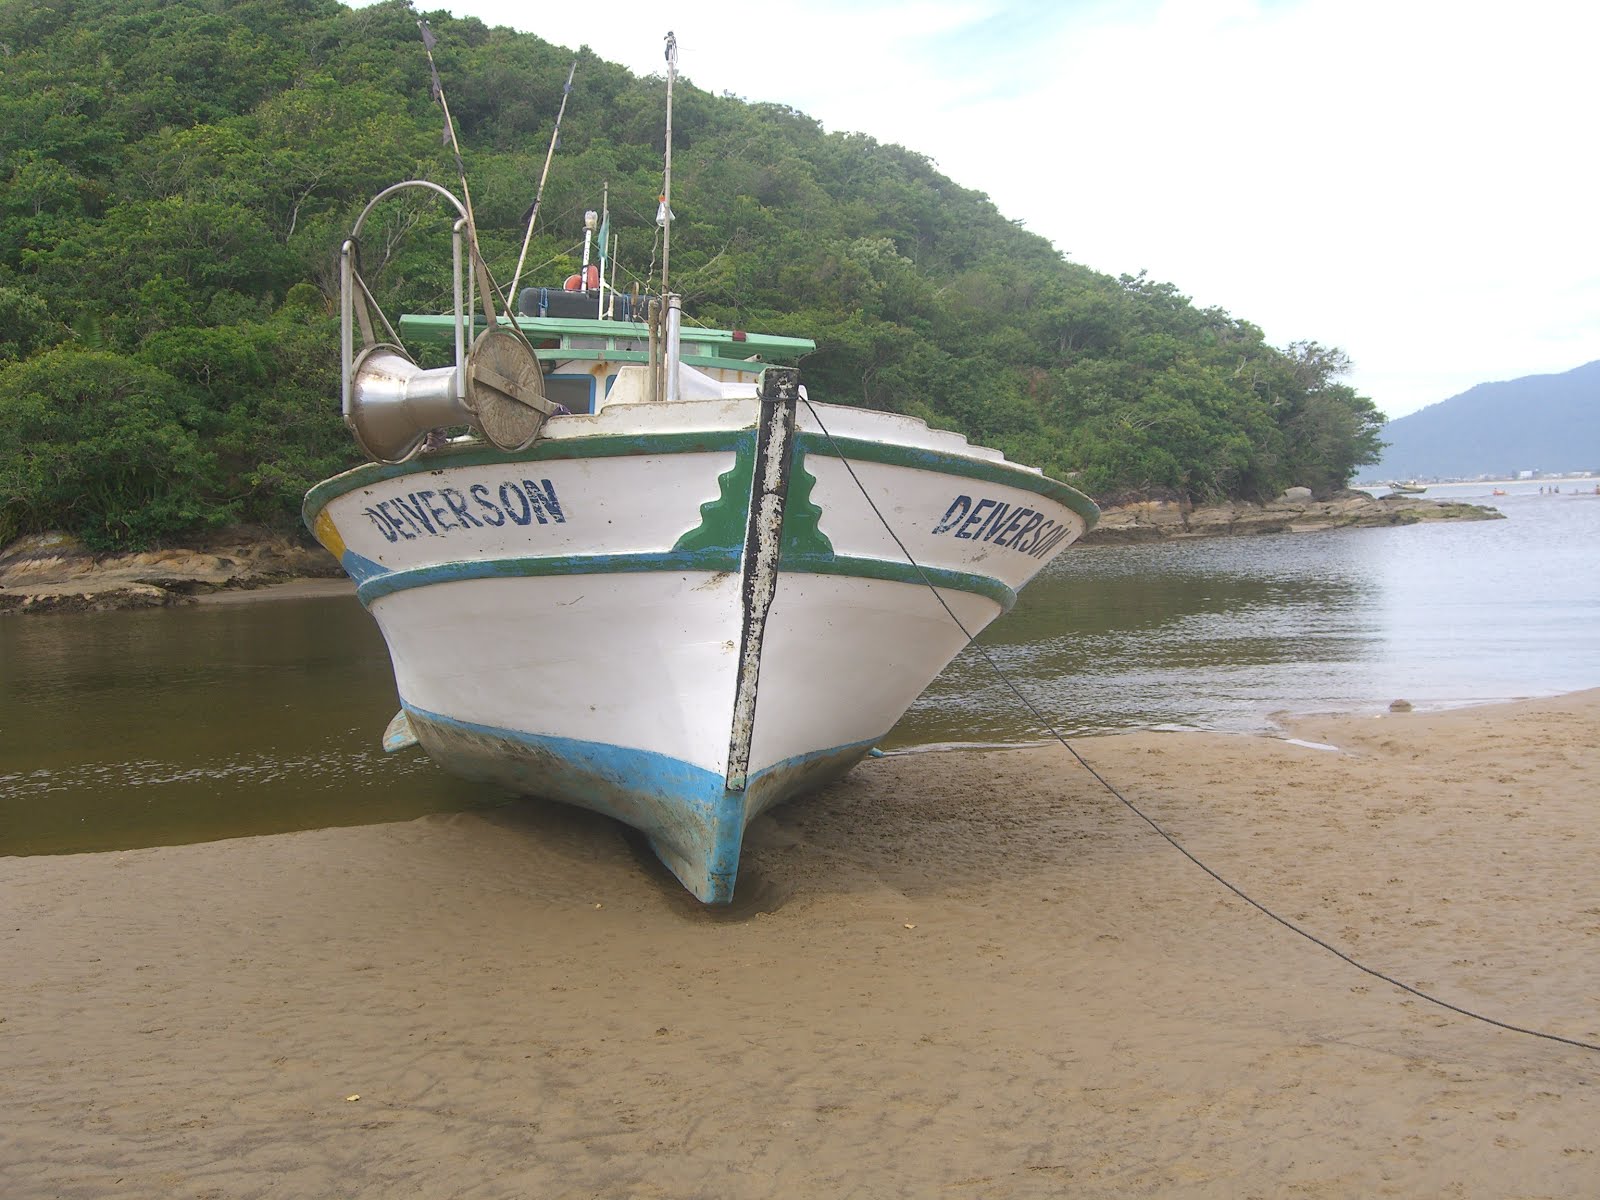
(1546,423)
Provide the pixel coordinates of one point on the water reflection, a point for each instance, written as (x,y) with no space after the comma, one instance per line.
(1150,635)
(133,729)
(129,729)
(1220,634)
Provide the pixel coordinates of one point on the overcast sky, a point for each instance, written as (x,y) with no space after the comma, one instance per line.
(1414,182)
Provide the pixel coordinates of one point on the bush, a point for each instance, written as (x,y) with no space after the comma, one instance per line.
(104,447)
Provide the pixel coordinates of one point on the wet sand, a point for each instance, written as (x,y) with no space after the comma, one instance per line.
(969,974)
(293,589)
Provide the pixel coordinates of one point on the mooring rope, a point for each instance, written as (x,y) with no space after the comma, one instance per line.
(1133,808)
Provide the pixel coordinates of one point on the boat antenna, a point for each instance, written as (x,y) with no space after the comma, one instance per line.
(486,285)
(538,195)
(605,252)
(664,214)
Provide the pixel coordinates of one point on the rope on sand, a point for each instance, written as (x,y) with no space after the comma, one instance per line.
(1133,808)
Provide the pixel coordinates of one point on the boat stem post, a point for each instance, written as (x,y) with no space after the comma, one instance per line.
(779,392)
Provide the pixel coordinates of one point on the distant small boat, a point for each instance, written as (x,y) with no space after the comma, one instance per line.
(1407,489)
(1502,492)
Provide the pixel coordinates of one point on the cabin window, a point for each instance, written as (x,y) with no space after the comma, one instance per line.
(575,392)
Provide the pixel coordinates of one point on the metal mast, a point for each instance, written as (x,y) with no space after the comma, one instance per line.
(665,215)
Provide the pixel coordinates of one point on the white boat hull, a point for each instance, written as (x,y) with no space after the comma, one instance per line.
(585,620)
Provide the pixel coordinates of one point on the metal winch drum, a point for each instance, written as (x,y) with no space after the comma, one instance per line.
(391,404)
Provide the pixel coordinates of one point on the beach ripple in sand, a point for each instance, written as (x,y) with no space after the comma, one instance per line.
(968,974)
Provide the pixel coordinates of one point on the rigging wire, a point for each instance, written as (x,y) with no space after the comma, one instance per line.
(538,195)
(662,242)
(489,290)
(1172,841)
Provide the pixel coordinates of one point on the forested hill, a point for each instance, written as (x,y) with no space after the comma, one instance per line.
(178,175)
(1545,423)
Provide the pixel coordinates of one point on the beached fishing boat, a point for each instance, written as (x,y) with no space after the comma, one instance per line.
(645,574)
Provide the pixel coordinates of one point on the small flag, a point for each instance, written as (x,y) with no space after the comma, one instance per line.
(428,39)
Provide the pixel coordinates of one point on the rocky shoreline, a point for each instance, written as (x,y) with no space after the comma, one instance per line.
(1163,520)
(54,573)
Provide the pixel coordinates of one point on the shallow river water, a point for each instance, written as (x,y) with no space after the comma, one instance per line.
(144,728)
(1220,633)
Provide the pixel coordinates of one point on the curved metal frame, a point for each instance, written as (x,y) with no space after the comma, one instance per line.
(463,286)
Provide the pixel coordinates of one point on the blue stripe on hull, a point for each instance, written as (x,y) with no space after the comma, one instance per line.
(694,823)
(373,588)
(374,581)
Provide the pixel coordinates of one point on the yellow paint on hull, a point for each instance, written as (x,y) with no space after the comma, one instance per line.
(326,532)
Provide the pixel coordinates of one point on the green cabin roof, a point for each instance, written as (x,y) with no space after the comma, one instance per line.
(726,348)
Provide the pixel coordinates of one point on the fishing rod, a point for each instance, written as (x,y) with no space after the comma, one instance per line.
(538,195)
(486,284)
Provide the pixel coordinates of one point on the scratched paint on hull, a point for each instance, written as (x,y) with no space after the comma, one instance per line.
(532,640)
(695,824)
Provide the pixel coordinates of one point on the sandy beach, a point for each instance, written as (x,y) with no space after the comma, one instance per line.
(969,974)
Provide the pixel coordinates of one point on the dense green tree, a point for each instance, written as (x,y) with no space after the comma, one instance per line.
(26,325)
(1329,429)
(104,446)
(176,178)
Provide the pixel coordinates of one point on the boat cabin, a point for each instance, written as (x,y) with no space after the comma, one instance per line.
(589,361)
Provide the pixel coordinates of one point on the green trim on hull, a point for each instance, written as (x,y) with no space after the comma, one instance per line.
(712,561)
(899,572)
(722,521)
(709,562)
(802,531)
(613,445)
(599,445)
